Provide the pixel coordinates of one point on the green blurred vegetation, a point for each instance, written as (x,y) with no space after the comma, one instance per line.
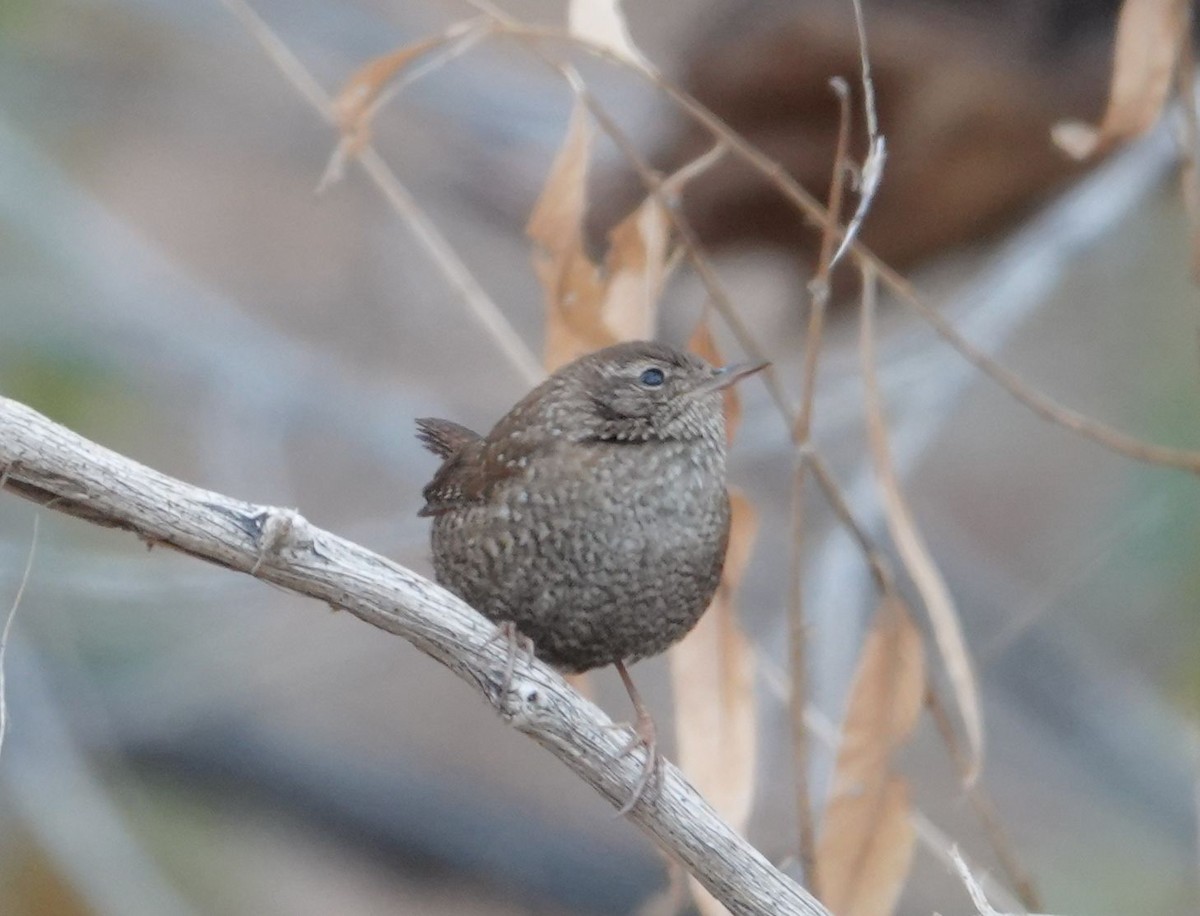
(67,383)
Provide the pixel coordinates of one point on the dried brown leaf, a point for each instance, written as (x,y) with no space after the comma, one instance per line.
(910,544)
(352,107)
(712,672)
(589,307)
(704,344)
(712,678)
(602,23)
(1150,34)
(639,258)
(570,281)
(866,840)
(636,271)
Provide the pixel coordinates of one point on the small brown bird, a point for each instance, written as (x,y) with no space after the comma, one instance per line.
(593,519)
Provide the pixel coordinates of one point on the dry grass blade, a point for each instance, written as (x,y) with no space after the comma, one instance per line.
(1102,434)
(911,546)
(602,23)
(354,107)
(440,251)
(373,84)
(1150,34)
(571,282)
(867,839)
(636,271)
(871,173)
(806,826)
(712,670)
(640,260)
(929,835)
(982,906)
(712,677)
(8,622)
(589,307)
(1016,872)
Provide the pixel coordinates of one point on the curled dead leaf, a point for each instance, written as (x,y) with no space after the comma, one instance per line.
(712,680)
(1150,35)
(866,842)
(910,544)
(636,271)
(570,281)
(352,107)
(355,105)
(589,307)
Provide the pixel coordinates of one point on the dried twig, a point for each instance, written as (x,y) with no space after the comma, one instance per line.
(653,182)
(835,495)
(871,173)
(978,898)
(801,430)
(440,251)
(918,561)
(8,622)
(981,804)
(1044,406)
(935,841)
(47,463)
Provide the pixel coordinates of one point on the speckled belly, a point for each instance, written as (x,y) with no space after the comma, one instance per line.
(594,575)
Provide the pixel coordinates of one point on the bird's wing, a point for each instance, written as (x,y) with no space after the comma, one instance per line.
(444,437)
(471,465)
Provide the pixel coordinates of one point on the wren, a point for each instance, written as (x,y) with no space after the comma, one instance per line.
(593,519)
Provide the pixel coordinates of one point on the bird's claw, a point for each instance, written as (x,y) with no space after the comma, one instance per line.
(518,644)
(645,734)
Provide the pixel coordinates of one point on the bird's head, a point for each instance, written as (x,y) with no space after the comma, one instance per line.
(643,391)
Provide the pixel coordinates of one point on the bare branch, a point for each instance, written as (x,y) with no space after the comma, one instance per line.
(978,898)
(49,464)
(915,554)
(1018,875)
(801,430)
(1041,404)
(872,169)
(440,251)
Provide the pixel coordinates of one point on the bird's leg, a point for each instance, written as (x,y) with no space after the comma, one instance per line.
(645,734)
(517,643)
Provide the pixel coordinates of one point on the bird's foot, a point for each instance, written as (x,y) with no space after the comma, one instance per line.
(518,644)
(645,734)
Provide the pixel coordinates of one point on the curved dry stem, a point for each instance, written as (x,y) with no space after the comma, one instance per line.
(441,252)
(910,544)
(52,466)
(1041,404)
(801,429)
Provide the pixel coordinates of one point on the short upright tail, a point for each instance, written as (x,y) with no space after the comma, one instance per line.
(444,437)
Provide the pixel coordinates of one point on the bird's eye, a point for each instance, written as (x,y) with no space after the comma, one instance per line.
(652,378)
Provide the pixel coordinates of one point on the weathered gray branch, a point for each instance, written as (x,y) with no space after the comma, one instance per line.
(51,465)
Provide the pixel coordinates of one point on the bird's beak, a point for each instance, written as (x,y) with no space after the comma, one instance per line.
(730,375)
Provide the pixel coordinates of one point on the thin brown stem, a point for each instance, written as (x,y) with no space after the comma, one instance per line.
(440,251)
(797,625)
(50,465)
(653,182)
(1044,406)
(982,805)
(835,495)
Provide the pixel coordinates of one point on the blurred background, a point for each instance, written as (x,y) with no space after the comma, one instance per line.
(186,740)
